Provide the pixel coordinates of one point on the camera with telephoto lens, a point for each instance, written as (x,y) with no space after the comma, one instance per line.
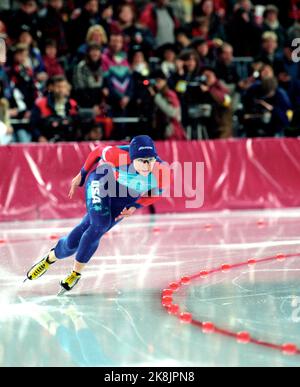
(199,81)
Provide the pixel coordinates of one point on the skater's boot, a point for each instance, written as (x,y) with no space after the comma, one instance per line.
(70,282)
(40,268)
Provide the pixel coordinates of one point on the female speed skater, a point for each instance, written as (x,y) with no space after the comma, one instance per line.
(121,180)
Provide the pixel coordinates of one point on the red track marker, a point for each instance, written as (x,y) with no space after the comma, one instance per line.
(167,301)
(209,327)
(243,338)
(185,280)
(186,318)
(174,286)
(173,309)
(289,349)
(167,292)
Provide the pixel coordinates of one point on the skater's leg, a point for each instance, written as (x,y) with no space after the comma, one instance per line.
(68,246)
(102,211)
(99,212)
(100,222)
(98,204)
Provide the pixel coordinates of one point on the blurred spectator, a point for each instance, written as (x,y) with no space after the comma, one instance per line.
(271,23)
(160,19)
(199,28)
(142,102)
(269,47)
(295,9)
(118,81)
(226,67)
(201,46)
(294,32)
(93,132)
(88,78)
(36,62)
(139,64)
(242,31)
(119,91)
(286,64)
(25,18)
(54,117)
(206,11)
(6,90)
(3,30)
(183,39)
(226,71)
(188,68)
(198,45)
(53,25)
(18,108)
(205,100)
(51,62)
(106,15)
(167,115)
(267,107)
(6,130)
(115,55)
(134,34)
(96,34)
(22,75)
(168,56)
(5,5)
(88,17)
(292,88)
(217,95)
(187,72)
(182,10)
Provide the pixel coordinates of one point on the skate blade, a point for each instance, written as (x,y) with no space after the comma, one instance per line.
(62,292)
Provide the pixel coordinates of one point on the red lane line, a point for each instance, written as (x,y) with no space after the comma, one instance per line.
(4,242)
(238,265)
(262,225)
(167,300)
(233,335)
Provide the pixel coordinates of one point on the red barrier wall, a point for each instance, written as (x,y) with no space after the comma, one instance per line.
(239,174)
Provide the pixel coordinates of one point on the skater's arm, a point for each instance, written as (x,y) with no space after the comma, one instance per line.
(93,158)
(109,154)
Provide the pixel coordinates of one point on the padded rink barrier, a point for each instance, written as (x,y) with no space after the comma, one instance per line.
(218,288)
(238,174)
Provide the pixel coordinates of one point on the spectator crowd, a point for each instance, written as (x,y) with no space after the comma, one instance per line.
(81,70)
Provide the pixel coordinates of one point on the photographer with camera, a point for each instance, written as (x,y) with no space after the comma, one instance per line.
(167,111)
(205,100)
(54,117)
(215,94)
(267,107)
(187,70)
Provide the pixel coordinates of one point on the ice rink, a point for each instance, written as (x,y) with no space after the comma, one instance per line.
(115,316)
